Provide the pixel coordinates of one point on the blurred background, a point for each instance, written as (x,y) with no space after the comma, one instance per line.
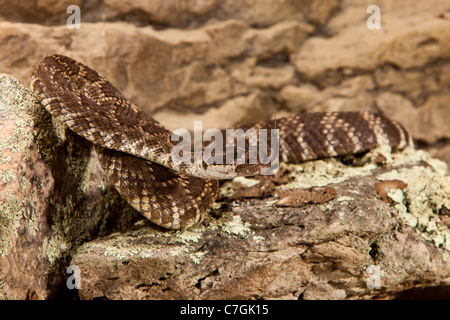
(230,62)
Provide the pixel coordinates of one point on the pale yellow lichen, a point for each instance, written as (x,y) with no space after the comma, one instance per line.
(187,236)
(122,246)
(51,248)
(345,198)
(16,109)
(321,173)
(177,251)
(427,192)
(87,180)
(233,225)
(12,212)
(270,203)
(4,159)
(7,175)
(196,257)
(246,182)
(258,239)
(60,129)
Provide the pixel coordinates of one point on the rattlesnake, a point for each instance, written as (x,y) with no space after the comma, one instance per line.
(134,149)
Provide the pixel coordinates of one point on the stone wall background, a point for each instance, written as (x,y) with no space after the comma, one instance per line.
(232,62)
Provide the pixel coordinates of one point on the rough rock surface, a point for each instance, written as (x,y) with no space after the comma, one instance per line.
(228,63)
(354,246)
(231,62)
(53,197)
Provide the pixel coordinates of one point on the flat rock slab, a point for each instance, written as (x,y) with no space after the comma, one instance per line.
(354,246)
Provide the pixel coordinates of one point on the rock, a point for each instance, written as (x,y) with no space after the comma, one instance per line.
(247,109)
(441,152)
(170,82)
(406,41)
(54,197)
(190,13)
(352,94)
(427,123)
(355,246)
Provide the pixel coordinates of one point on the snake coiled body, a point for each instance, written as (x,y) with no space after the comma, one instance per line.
(135,150)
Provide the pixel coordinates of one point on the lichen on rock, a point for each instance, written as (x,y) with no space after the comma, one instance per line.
(51,197)
(331,245)
(427,193)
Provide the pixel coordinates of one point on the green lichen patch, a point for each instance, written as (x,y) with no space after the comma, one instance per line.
(321,173)
(12,212)
(233,225)
(16,128)
(179,243)
(427,192)
(52,248)
(19,111)
(122,246)
(7,175)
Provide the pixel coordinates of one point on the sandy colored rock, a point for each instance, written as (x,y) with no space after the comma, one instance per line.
(190,13)
(441,152)
(411,35)
(427,123)
(53,197)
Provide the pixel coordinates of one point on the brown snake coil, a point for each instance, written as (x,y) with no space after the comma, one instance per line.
(134,149)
